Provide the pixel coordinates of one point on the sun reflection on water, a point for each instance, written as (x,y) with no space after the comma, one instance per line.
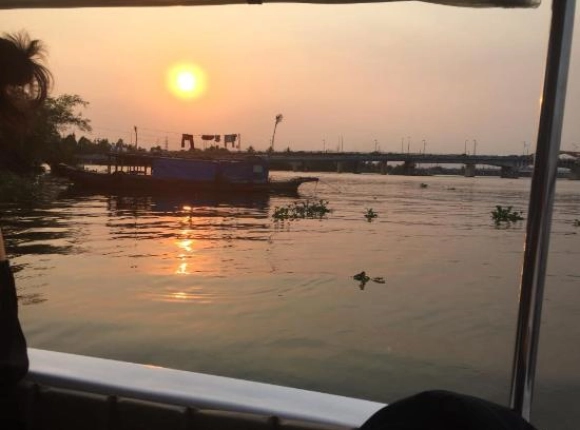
(185,244)
(182,269)
(194,296)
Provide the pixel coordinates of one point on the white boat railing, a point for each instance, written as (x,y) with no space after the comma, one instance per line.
(177,387)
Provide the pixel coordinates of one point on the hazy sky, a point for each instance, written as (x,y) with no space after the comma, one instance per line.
(364,72)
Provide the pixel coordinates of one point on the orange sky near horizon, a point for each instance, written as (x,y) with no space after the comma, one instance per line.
(364,72)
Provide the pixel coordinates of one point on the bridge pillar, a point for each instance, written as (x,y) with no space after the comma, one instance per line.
(383,166)
(510,172)
(408,168)
(575,172)
(339,166)
(470,170)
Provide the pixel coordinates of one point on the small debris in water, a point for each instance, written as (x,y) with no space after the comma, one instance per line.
(363,278)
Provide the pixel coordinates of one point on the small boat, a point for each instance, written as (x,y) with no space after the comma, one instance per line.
(131,173)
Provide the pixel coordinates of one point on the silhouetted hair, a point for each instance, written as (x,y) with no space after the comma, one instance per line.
(24,82)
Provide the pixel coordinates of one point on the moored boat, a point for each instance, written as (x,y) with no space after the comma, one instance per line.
(154,174)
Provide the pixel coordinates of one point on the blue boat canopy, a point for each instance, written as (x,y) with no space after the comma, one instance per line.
(189,170)
(249,170)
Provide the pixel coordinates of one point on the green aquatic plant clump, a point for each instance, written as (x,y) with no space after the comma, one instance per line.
(370,214)
(501,214)
(18,189)
(302,210)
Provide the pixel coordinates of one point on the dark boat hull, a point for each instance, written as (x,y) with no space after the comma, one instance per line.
(122,182)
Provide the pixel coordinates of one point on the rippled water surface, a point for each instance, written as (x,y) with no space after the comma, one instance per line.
(217,286)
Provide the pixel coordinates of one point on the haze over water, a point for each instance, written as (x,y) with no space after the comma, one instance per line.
(217,286)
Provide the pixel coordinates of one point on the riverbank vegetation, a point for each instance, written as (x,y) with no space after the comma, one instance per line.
(24,151)
(16,189)
(25,191)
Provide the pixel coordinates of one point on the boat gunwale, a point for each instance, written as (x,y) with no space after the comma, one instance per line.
(200,390)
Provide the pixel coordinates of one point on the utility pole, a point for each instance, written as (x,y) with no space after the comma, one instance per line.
(135,127)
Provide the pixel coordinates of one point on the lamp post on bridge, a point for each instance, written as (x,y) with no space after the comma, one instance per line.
(465,148)
(424,145)
(408,145)
(474,147)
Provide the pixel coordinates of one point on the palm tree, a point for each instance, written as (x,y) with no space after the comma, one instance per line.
(279,119)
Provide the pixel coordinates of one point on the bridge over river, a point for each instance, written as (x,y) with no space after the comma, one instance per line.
(510,165)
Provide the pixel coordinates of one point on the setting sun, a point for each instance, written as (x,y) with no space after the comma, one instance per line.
(186,81)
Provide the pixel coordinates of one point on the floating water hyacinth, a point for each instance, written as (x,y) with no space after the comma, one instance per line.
(501,214)
(370,214)
(303,210)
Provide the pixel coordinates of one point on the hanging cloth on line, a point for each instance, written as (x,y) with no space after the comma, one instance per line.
(187,138)
(230,138)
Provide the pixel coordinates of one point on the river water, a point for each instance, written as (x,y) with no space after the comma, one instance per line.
(217,286)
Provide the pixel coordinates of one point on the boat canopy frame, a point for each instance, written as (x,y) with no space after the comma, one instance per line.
(29,4)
